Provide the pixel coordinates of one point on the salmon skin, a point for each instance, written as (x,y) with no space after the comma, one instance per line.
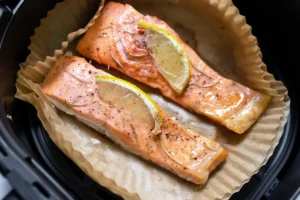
(71,87)
(115,40)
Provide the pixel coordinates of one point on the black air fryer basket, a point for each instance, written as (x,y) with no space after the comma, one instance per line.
(37,169)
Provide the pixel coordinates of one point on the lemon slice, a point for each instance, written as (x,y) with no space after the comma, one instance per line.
(169,55)
(124,95)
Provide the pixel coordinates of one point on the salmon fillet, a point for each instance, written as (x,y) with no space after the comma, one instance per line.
(115,40)
(185,153)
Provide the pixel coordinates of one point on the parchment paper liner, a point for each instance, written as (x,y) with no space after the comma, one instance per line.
(124,173)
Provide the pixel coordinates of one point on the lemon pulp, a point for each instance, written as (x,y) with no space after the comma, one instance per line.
(169,55)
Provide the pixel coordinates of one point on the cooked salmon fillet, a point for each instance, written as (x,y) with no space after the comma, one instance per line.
(115,40)
(185,153)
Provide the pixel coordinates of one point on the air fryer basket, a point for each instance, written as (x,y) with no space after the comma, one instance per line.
(39,170)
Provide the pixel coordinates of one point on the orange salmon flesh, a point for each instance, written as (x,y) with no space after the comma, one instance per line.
(72,88)
(116,40)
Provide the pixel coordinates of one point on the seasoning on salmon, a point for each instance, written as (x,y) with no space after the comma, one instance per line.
(72,87)
(116,40)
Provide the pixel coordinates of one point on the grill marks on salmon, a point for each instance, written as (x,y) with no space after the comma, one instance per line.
(115,40)
(71,87)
